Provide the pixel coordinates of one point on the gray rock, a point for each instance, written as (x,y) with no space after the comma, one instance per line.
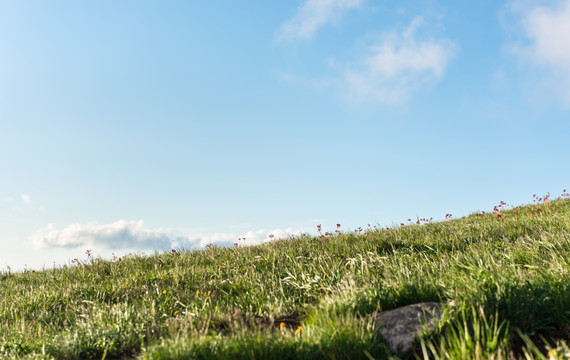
(399,327)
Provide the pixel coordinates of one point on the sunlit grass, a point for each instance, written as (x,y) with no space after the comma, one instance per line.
(503,276)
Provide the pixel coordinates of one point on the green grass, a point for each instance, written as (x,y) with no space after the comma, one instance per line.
(504,281)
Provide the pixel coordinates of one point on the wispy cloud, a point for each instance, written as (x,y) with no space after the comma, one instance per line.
(311,16)
(545,42)
(26,198)
(135,235)
(398,65)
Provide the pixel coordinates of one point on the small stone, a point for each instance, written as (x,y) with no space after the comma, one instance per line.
(399,327)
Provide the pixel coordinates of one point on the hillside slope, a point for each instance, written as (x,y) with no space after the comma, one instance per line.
(308,297)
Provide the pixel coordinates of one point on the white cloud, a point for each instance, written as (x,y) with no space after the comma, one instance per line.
(313,15)
(135,235)
(9,199)
(27,199)
(545,42)
(398,66)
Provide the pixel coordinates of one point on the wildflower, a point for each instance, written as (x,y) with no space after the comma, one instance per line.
(299,329)
(197,292)
(163,292)
(173,251)
(401,224)
(118,298)
(337,226)
(236,244)
(282,325)
(176,313)
(271,236)
(319,228)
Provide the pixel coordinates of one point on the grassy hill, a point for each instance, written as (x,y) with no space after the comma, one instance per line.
(503,277)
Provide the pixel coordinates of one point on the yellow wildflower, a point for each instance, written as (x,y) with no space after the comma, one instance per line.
(176,313)
(163,292)
(299,329)
(282,325)
(197,292)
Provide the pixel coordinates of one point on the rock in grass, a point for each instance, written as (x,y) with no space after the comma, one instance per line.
(399,327)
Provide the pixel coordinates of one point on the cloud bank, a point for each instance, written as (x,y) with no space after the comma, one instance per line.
(124,234)
(313,15)
(398,66)
(545,42)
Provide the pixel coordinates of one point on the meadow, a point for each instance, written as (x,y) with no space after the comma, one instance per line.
(503,277)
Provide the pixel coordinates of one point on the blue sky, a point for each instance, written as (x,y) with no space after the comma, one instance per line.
(137,126)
